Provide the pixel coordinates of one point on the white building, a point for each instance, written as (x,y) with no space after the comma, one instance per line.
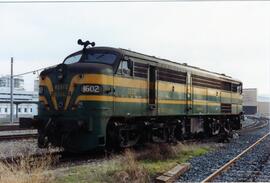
(250,104)
(25,102)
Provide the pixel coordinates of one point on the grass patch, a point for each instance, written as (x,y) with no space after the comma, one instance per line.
(133,166)
(177,154)
(26,169)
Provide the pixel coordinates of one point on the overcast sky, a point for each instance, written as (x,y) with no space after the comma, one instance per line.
(226,37)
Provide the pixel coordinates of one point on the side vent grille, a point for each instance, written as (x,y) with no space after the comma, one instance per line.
(226,108)
(171,75)
(140,70)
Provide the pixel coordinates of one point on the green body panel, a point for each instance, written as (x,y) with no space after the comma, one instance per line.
(171,109)
(199,97)
(127,109)
(213,109)
(169,95)
(199,109)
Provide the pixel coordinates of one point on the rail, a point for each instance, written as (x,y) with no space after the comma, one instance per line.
(231,162)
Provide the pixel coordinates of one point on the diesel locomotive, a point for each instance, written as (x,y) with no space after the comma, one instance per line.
(108,97)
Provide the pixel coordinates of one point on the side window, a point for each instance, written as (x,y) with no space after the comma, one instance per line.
(239,88)
(119,70)
(124,68)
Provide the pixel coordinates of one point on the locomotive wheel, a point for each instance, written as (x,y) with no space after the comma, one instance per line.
(112,142)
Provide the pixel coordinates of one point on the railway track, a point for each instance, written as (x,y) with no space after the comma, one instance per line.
(258,124)
(247,166)
(11,127)
(14,132)
(18,136)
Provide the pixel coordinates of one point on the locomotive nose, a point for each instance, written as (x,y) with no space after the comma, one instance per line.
(61,71)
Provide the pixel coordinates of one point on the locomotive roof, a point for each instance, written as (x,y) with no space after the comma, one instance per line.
(171,64)
(184,66)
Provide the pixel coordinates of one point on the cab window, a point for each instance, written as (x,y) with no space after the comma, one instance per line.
(239,88)
(124,69)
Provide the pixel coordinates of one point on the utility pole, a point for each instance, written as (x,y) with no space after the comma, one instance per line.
(11,92)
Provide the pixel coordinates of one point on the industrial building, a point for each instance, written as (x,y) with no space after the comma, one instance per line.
(250,104)
(25,102)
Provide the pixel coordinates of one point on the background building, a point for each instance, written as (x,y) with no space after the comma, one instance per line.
(25,102)
(264,105)
(250,104)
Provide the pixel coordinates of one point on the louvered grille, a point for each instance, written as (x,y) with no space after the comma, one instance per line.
(171,75)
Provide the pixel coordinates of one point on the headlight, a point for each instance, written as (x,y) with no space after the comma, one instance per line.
(91,89)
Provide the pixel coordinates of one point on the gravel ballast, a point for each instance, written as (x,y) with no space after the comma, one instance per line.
(203,166)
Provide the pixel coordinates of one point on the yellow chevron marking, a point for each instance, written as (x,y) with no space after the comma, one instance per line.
(72,84)
(48,83)
(44,100)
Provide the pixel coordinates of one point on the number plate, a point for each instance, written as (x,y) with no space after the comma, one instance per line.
(92,89)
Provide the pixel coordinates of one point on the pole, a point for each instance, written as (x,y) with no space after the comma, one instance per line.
(11,92)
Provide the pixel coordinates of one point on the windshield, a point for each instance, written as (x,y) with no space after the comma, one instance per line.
(104,58)
(92,57)
(73,59)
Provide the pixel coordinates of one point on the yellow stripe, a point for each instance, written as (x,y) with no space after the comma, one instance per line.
(167,86)
(172,101)
(213,104)
(213,92)
(110,80)
(104,80)
(138,100)
(199,102)
(48,83)
(133,83)
(135,100)
(217,93)
(109,99)
(236,96)
(226,94)
(199,91)
(205,102)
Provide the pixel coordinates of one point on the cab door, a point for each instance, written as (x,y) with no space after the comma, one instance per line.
(123,96)
(189,102)
(152,91)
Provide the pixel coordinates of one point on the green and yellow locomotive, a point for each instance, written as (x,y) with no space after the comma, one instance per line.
(108,97)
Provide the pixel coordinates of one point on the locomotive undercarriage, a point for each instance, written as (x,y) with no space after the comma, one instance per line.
(126,132)
(123,132)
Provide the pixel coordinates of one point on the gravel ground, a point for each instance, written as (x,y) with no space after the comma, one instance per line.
(20,147)
(249,167)
(203,166)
